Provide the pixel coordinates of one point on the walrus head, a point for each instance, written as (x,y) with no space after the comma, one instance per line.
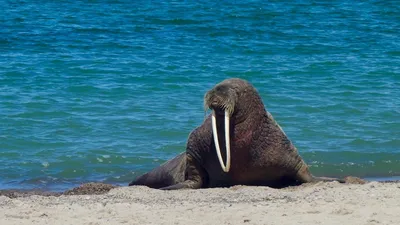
(222,100)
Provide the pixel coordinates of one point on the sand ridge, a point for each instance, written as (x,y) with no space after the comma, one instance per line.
(320,203)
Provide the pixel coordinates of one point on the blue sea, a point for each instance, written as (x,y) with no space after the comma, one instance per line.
(107,90)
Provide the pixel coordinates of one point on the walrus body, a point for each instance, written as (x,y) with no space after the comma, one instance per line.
(257,150)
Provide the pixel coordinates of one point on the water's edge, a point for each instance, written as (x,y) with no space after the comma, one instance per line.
(102,188)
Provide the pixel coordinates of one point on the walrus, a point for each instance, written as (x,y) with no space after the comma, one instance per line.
(257,151)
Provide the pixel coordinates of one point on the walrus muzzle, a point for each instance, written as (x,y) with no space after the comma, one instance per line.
(221,100)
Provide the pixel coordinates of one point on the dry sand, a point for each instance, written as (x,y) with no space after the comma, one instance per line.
(321,203)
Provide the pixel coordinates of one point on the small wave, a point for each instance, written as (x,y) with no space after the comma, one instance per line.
(176,21)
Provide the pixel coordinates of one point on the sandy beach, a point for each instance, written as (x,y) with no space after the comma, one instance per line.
(320,203)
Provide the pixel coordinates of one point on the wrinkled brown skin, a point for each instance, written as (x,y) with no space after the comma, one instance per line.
(261,153)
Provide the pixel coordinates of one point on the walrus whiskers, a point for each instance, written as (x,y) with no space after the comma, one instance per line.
(224,167)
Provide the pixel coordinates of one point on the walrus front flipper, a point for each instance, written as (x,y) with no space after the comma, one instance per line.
(187,184)
(170,173)
(195,176)
(304,176)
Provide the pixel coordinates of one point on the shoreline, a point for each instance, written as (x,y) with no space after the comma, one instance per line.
(391,179)
(317,203)
(96,188)
(382,179)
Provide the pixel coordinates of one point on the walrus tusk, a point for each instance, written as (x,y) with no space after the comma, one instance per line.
(216,142)
(227,142)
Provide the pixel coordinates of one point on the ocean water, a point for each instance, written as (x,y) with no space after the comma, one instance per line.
(107,90)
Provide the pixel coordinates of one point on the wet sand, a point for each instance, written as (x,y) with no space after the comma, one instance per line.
(320,203)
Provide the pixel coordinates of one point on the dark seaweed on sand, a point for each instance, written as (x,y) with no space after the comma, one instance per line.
(84,189)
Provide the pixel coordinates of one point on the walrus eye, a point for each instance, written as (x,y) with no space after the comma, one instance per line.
(226,167)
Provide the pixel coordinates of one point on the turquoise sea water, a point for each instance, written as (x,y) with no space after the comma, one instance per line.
(107,90)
